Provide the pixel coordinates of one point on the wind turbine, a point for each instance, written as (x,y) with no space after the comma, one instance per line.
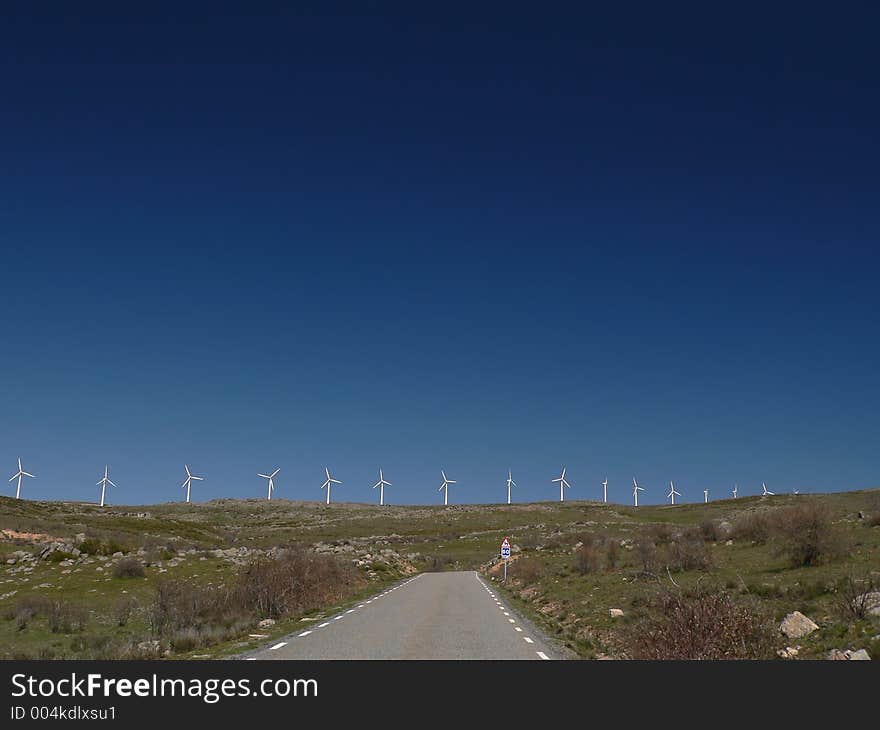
(381,484)
(21,473)
(510,483)
(103,484)
(766,492)
(328,484)
(188,482)
(445,487)
(636,490)
(734,491)
(562,485)
(672,493)
(605,490)
(706,495)
(271,478)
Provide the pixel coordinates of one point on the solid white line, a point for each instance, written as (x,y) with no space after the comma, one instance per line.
(305,633)
(528,640)
(543,655)
(321,626)
(277,646)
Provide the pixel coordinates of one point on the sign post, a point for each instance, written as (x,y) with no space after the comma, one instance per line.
(505,555)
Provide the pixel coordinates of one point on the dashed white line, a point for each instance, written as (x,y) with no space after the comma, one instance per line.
(518,628)
(511,620)
(321,626)
(337,618)
(528,640)
(304,633)
(251,659)
(542,655)
(351,610)
(278,646)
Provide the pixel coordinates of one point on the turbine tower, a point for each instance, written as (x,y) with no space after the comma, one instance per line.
(271,478)
(18,475)
(562,485)
(103,484)
(605,491)
(510,483)
(636,490)
(706,495)
(672,493)
(766,492)
(188,482)
(445,487)
(328,484)
(734,491)
(382,483)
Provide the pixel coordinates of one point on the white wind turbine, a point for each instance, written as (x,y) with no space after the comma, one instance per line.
(445,487)
(103,484)
(271,478)
(329,482)
(605,490)
(562,485)
(706,495)
(18,475)
(187,484)
(734,491)
(382,483)
(636,490)
(672,493)
(510,483)
(765,492)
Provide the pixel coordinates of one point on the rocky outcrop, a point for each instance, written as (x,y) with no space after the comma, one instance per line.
(796,625)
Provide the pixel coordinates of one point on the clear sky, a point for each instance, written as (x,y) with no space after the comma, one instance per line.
(638,243)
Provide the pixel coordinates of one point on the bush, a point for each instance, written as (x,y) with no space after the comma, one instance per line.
(806,535)
(753,527)
(527,570)
(874,520)
(58,556)
(129,568)
(689,552)
(125,607)
(852,599)
(612,554)
(65,618)
(588,559)
(647,553)
(702,625)
(709,531)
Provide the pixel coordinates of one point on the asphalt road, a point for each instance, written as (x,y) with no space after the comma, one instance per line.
(431,616)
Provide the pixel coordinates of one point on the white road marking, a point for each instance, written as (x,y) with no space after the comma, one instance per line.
(528,640)
(278,646)
(506,614)
(305,633)
(543,655)
(321,626)
(251,659)
(361,606)
(336,618)
(511,620)
(518,628)
(351,610)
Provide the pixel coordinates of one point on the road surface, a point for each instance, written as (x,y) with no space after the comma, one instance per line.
(430,616)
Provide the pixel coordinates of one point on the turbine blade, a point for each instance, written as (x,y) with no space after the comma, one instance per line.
(186,466)
(265,476)
(28,475)
(110,483)
(274,473)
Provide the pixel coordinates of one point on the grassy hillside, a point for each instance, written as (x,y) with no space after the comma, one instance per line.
(573,562)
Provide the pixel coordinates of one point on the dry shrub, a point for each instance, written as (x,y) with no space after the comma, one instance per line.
(527,570)
(612,554)
(588,558)
(852,597)
(689,552)
(123,610)
(65,618)
(129,568)
(659,534)
(874,520)
(754,527)
(646,552)
(710,531)
(702,625)
(806,534)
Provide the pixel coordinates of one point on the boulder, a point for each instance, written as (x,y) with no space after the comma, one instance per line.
(615,612)
(266,623)
(848,655)
(860,655)
(796,625)
(789,652)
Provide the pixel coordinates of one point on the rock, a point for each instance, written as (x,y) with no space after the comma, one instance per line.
(860,655)
(615,612)
(848,655)
(117,555)
(266,623)
(11,561)
(729,542)
(725,529)
(789,652)
(796,625)
(837,655)
(872,602)
(151,646)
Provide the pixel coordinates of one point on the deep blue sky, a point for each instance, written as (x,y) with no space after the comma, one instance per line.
(641,243)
